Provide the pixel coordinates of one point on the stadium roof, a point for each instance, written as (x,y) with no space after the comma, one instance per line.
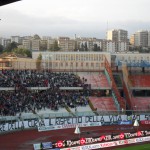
(5,2)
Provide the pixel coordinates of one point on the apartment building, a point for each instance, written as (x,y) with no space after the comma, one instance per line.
(35,44)
(120,37)
(122,46)
(87,44)
(98,42)
(26,44)
(112,35)
(43,44)
(16,39)
(141,38)
(149,39)
(108,46)
(66,44)
(5,41)
(132,39)
(46,38)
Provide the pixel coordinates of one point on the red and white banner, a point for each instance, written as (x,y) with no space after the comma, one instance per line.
(109,144)
(145,122)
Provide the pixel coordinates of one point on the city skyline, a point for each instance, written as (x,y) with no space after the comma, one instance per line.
(85,18)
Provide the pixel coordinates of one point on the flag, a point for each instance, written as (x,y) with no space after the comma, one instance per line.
(77,130)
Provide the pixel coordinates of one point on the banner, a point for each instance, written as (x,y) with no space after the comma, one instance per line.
(46,145)
(67,121)
(109,123)
(125,122)
(145,122)
(109,144)
(37,146)
(67,126)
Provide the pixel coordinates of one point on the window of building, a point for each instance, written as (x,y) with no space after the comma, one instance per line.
(76,64)
(56,57)
(81,57)
(76,57)
(56,64)
(86,57)
(66,57)
(71,57)
(92,57)
(87,64)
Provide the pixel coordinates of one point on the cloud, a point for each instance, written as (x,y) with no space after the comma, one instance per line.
(69,17)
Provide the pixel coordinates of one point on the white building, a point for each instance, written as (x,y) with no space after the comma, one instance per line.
(46,38)
(117,35)
(98,42)
(66,44)
(120,37)
(109,46)
(89,43)
(141,38)
(26,44)
(122,46)
(50,43)
(73,61)
(16,39)
(36,44)
(5,41)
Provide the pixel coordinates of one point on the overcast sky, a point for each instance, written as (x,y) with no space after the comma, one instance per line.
(85,18)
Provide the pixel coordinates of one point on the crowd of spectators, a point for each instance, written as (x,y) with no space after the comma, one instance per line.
(23,100)
(33,78)
(12,102)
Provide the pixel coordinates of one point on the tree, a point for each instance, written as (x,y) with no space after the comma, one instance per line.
(82,47)
(95,47)
(38,61)
(98,48)
(22,51)
(85,47)
(1,48)
(43,47)
(55,46)
(11,46)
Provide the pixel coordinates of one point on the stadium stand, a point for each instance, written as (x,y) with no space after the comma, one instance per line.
(131,83)
(95,79)
(140,80)
(42,91)
(103,104)
(141,103)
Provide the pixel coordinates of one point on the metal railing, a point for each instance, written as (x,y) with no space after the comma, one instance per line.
(77,114)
